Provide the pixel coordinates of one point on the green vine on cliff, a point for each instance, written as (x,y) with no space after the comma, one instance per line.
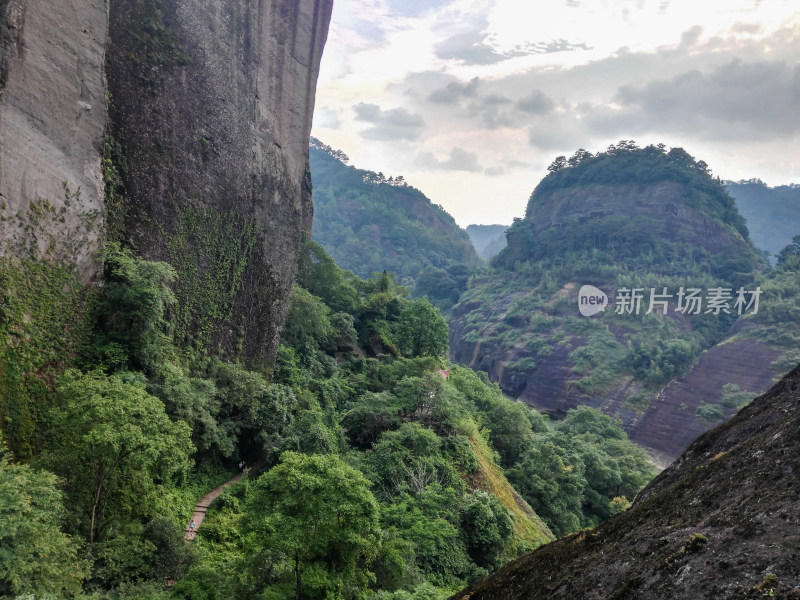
(210,251)
(41,319)
(116,208)
(155,47)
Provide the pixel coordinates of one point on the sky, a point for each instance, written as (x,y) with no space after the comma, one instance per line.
(470,101)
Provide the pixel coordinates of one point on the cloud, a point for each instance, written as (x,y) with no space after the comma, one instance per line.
(740,99)
(414,8)
(392,124)
(469,48)
(329,118)
(453,91)
(690,36)
(494,171)
(460,160)
(536,103)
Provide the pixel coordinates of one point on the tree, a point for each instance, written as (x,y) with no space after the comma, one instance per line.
(317,514)
(421,330)
(36,557)
(113,441)
(133,312)
(790,255)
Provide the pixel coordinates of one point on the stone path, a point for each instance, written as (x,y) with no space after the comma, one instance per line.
(201,508)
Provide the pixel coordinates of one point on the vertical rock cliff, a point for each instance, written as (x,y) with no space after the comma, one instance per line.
(52,114)
(210,114)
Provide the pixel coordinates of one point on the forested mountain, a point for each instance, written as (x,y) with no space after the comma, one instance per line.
(370,223)
(488,240)
(651,223)
(772,213)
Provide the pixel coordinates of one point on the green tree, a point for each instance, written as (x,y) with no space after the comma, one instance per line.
(133,318)
(790,255)
(552,482)
(421,330)
(36,557)
(318,515)
(114,442)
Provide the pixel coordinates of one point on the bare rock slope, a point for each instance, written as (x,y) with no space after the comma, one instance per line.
(52,115)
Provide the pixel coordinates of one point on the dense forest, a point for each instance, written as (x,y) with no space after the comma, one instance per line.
(522,314)
(379,470)
(372,223)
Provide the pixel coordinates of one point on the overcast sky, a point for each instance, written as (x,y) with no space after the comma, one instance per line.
(471,100)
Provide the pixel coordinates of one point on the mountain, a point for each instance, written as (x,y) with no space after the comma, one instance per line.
(369,223)
(488,240)
(646,221)
(721,522)
(772,213)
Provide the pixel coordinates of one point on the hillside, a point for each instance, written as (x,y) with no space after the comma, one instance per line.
(629,219)
(369,223)
(772,213)
(488,240)
(721,522)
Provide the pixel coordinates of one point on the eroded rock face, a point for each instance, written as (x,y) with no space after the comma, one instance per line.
(211,106)
(52,115)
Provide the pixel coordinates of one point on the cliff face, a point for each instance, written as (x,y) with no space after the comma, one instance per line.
(52,115)
(210,115)
(721,522)
(661,203)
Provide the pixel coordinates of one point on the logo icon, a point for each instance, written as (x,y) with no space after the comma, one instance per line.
(591,300)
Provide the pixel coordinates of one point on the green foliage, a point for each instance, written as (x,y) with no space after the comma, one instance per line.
(421,330)
(156,48)
(36,557)
(116,444)
(487,527)
(42,309)
(316,514)
(710,412)
(378,483)
(369,223)
(581,472)
(211,251)
(132,313)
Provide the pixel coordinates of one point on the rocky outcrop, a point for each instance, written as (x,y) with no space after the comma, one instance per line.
(52,115)
(210,116)
(721,522)
(662,204)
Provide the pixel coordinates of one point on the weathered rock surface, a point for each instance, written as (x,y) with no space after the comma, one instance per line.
(52,115)
(661,202)
(722,522)
(211,114)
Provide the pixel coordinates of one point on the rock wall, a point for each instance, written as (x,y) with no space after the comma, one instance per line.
(52,115)
(211,106)
(662,201)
